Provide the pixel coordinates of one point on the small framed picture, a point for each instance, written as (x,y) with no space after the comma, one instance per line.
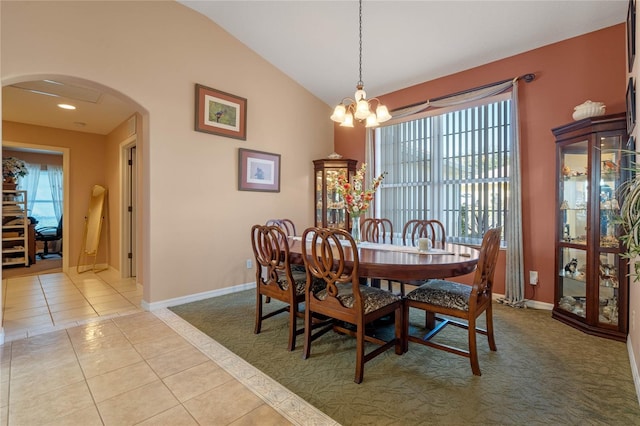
(258,171)
(631,105)
(631,33)
(220,113)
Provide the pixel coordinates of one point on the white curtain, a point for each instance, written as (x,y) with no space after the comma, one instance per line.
(514,279)
(29,183)
(55,182)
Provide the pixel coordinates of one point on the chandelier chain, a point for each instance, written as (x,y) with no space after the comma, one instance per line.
(360,83)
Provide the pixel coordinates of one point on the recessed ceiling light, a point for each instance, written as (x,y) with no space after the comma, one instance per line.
(66,106)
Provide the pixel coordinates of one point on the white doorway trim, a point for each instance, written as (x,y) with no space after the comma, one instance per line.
(128,179)
(65,190)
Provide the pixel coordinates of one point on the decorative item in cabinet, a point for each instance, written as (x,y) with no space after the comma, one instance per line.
(15,226)
(330,211)
(591,284)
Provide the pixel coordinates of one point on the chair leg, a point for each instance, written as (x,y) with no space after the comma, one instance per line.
(293,316)
(359,353)
(473,348)
(307,333)
(489,318)
(399,327)
(256,330)
(405,326)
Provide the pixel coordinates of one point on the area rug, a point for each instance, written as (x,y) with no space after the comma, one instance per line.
(544,372)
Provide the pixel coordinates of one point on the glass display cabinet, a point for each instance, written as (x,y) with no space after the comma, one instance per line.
(330,209)
(591,285)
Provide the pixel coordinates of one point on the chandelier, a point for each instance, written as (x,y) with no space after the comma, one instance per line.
(359,107)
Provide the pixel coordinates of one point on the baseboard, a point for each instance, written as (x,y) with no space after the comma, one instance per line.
(533,304)
(195,297)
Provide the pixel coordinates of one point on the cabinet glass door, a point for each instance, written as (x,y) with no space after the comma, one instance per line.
(335,208)
(574,204)
(574,193)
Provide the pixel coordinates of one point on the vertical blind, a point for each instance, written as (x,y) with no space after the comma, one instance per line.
(453,167)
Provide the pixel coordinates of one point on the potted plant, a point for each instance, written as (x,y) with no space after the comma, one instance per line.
(629,220)
(12,168)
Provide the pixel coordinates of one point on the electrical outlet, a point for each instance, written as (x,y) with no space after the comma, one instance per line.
(249,264)
(533,277)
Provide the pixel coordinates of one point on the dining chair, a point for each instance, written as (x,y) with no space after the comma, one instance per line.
(458,301)
(377,230)
(415,229)
(287,226)
(276,279)
(424,228)
(344,300)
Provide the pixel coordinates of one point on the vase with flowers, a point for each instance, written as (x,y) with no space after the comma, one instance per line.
(357,198)
(12,168)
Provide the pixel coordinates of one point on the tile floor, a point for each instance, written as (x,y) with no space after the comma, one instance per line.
(79,351)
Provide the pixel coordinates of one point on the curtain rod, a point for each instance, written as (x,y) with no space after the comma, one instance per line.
(528,78)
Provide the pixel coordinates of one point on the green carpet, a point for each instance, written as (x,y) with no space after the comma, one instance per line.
(544,372)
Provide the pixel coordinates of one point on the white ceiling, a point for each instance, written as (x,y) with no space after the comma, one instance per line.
(316,44)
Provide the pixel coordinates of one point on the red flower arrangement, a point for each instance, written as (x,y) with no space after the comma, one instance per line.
(356,198)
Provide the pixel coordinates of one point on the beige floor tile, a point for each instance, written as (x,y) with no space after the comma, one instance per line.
(90,332)
(27,323)
(27,346)
(51,405)
(74,314)
(37,381)
(197,380)
(122,380)
(176,416)
(84,417)
(4,416)
(263,416)
(64,298)
(125,310)
(223,404)
(165,343)
(4,392)
(25,302)
(137,405)
(31,291)
(68,305)
(106,298)
(155,331)
(137,321)
(92,293)
(115,340)
(176,361)
(120,304)
(17,313)
(107,360)
(32,363)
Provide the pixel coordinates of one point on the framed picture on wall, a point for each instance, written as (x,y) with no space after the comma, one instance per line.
(631,105)
(220,113)
(258,171)
(631,34)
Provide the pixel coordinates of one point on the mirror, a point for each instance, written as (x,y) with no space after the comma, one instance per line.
(93,225)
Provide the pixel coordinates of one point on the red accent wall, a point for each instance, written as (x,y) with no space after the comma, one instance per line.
(588,67)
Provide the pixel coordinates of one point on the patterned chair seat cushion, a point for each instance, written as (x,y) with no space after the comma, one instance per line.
(373,298)
(443,293)
(300,278)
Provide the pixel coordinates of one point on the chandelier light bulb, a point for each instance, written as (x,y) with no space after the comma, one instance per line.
(348,120)
(372,120)
(339,113)
(383,113)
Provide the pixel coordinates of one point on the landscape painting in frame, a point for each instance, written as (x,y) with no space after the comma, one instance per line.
(220,113)
(258,171)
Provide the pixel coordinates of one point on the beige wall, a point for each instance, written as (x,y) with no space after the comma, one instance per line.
(195,224)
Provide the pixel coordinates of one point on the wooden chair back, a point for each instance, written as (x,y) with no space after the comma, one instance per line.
(483,278)
(286,225)
(271,251)
(424,228)
(377,230)
(325,258)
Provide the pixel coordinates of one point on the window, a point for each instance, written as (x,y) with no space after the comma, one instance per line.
(453,167)
(42,205)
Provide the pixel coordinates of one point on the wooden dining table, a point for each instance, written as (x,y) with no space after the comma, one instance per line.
(400,263)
